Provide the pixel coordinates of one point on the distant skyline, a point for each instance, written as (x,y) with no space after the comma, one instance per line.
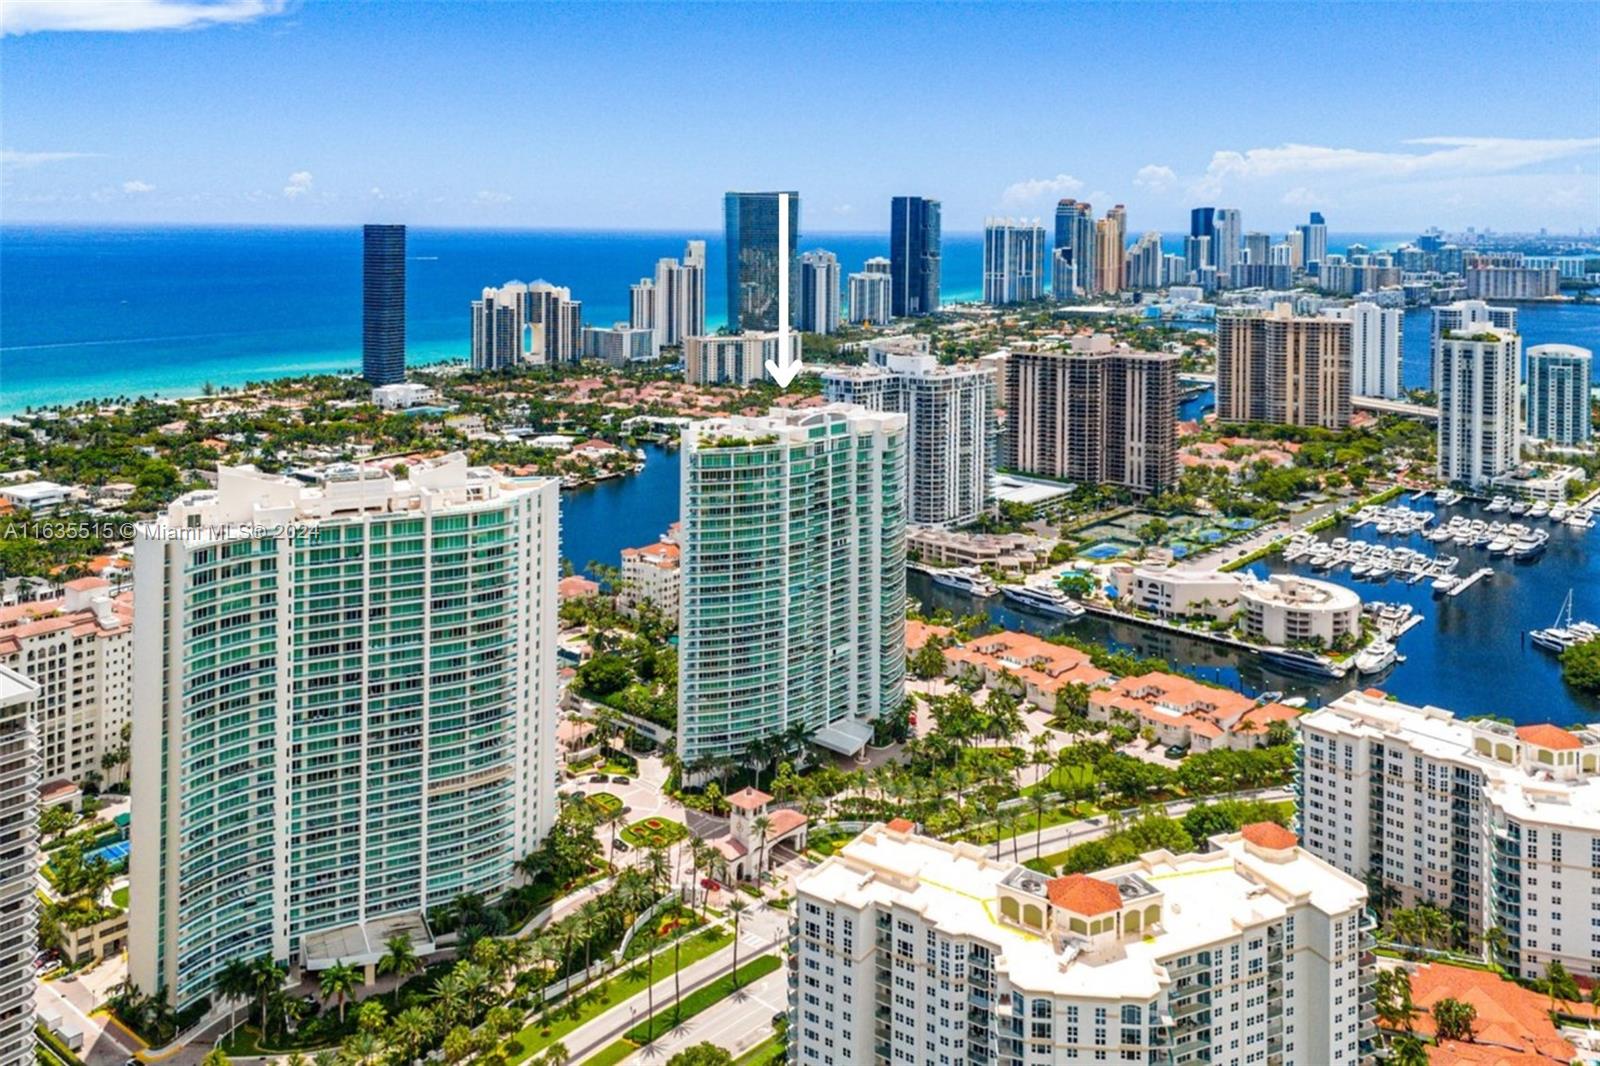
(592,116)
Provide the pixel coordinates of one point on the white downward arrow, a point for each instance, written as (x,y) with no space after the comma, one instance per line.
(784,368)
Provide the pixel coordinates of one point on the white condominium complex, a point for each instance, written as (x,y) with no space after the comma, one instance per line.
(1375,353)
(951,430)
(819,292)
(79,651)
(344,712)
(909,950)
(650,574)
(732,358)
(678,295)
(1100,413)
(1464,316)
(1013,261)
(871,295)
(19,885)
(521,324)
(1558,393)
(1480,429)
(1498,825)
(793,565)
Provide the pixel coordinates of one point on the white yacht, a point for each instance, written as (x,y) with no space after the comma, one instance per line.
(1520,507)
(1044,599)
(1558,512)
(1500,545)
(968,579)
(1375,657)
(1539,509)
(1444,583)
(1498,504)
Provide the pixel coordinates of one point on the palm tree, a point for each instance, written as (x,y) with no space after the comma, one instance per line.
(736,908)
(1452,1019)
(1396,1011)
(399,958)
(338,982)
(266,979)
(557,1055)
(236,980)
(761,823)
(412,1028)
(362,1047)
(1497,943)
(1560,983)
(589,920)
(1407,1050)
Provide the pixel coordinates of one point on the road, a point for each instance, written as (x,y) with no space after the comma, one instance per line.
(737,1024)
(1060,837)
(762,930)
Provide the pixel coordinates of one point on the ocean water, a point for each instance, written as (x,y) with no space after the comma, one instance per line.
(109,311)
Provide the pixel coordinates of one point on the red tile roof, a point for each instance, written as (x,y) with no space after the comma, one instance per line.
(1513,1024)
(749,799)
(902,825)
(1549,736)
(1269,835)
(1082,894)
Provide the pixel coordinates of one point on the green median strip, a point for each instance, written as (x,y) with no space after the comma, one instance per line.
(614,990)
(702,998)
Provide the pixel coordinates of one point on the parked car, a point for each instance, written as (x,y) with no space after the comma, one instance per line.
(597,779)
(621,845)
(621,779)
(1177,751)
(710,885)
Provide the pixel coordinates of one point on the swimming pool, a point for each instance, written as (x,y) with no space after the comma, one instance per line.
(111,853)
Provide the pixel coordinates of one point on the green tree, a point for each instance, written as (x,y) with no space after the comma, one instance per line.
(1407,1050)
(1580,666)
(399,957)
(1452,1019)
(338,982)
(702,1054)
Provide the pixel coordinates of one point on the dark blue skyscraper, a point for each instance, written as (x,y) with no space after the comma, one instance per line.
(913,256)
(750,224)
(1073,273)
(383,304)
(1203,223)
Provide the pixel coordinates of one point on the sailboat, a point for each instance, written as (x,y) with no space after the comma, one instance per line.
(1560,636)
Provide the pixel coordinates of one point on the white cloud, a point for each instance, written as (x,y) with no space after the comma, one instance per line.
(12,158)
(491,196)
(1020,194)
(1300,196)
(1155,178)
(129,16)
(299,184)
(1449,156)
(137,187)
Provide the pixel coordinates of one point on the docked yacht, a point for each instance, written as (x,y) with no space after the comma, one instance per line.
(1444,583)
(1375,657)
(1539,509)
(1304,662)
(1530,545)
(1044,599)
(1498,504)
(968,579)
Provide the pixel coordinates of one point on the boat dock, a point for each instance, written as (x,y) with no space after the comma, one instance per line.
(1471,579)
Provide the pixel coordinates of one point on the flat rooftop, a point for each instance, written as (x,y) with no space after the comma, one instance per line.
(1209,899)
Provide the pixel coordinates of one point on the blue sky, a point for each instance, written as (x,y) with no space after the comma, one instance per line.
(1385,117)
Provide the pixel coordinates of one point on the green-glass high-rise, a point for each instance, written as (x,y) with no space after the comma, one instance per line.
(793,564)
(344,712)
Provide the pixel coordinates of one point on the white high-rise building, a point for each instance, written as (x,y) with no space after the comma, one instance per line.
(819,292)
(1013,261)
(1227,235)
(1497,824)
(1480,431)
(80,646)
(909,950)
(344,712)
(1559,384)
(19,866)
(534,324)
(951,432)
(1375,348)
(677,297)
(733,358)
(642,304)
(870,293)
(1461,317)
(793,578)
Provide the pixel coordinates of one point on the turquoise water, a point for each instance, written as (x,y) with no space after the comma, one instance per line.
(123,311)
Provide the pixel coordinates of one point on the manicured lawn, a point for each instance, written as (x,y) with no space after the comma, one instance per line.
(612,1054)
(769,1050)
(828,842)
(618,989)
(605,805)
(702,998)
(119,897)
(655,833)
